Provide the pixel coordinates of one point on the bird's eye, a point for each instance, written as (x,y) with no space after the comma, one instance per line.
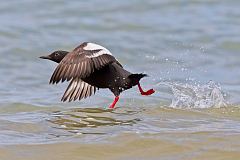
(56,54)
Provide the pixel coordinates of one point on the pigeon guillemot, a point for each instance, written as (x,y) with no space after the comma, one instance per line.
(89,67)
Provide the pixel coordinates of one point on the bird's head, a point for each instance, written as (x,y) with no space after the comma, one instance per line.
(56,56)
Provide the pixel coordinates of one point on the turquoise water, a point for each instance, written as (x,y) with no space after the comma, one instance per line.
(189,49)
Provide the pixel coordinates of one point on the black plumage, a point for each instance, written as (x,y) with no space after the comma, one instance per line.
(90,67)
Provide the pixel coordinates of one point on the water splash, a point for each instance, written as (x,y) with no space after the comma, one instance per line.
(196,96)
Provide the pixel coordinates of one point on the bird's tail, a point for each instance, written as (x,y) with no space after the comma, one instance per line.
(136,77)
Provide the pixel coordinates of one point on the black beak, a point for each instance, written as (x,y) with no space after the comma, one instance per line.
(45,57)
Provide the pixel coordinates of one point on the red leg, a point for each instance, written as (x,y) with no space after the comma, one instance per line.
(114,102)
(149,92)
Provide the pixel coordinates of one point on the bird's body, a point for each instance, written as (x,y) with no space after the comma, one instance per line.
(89,67)
(110,76)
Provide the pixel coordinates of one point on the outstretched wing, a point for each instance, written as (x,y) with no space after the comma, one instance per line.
(78,89)
(81,62)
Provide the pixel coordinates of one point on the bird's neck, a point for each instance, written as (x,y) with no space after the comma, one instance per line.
(63,54)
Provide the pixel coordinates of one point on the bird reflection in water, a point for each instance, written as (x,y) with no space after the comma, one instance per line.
(86,120)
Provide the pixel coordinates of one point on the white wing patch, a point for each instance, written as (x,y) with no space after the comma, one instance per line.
(93,46)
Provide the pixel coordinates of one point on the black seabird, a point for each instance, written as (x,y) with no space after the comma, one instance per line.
(89,67)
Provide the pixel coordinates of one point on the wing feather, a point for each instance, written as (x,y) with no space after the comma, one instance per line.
(80,63)
(78,89)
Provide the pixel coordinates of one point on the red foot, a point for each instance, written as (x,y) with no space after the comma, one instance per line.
(114,102)
(149,92)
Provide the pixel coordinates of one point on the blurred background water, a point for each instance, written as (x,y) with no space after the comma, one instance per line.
(189,49)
